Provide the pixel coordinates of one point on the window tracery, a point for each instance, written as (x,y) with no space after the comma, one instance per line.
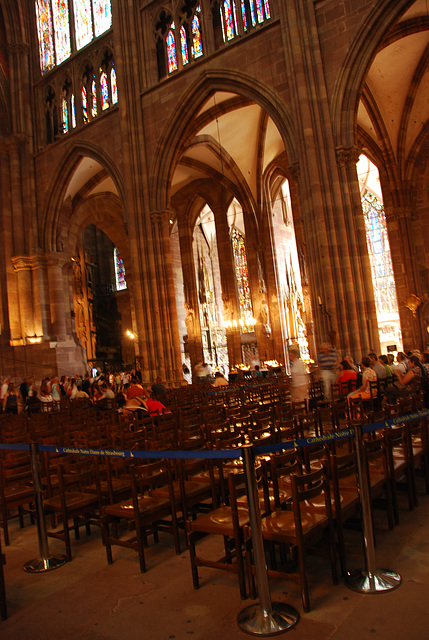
(58,37)
(242,279)
(232,18)
(178,41)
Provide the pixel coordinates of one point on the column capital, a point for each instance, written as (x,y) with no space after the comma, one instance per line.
(162,217)
(29,263)
(346,155)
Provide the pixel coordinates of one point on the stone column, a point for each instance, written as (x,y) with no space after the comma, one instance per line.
(227,275)
(193,327)
(328,209)
(57,295)
(166,296)
(360,339)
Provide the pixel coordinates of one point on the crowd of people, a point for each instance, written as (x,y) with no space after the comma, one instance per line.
(405,374)
(122,389)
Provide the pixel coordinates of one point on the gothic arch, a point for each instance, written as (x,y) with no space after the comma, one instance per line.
(184,114)
(346,94)
(64,172)
(104,210)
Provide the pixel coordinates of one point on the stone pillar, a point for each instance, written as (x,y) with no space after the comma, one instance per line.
(360,339)
(227,275)
(57,295)
(193,327)
(328,208)
(166,296)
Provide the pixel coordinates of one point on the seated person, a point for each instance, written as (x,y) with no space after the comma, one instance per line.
(346,378)
(220,380)
(406,383)
(135,389)
(158,389)
(368,376)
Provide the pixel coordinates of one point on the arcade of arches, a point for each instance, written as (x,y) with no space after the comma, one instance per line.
(186,185)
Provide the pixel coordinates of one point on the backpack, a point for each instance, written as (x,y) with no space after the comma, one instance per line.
(11,403)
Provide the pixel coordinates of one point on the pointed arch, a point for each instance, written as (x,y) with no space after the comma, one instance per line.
(346,93)
(186,110)
(59,183)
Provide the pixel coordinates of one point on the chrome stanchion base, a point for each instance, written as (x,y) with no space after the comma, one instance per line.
(44,564)
(254,621)
(377,582)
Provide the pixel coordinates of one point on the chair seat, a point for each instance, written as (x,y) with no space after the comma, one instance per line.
(18,492)
(147,505)
(74,500)
(220,521)
(282,524)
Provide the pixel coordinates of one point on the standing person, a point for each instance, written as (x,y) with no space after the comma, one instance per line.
(11,399)
(327,360)
(300,378)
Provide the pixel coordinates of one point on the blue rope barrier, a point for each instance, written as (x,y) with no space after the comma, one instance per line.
(227,453)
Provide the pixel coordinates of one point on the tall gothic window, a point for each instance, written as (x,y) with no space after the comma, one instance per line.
(177,46)
(379,254)
(383,279)
(57,40)
(236,17)
(121,283)
(242,279)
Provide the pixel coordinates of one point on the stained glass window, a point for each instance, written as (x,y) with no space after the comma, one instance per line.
(252,13)
(171,50)
(243,13)
(60,10)
(242,277)
(259,10)
(84,97)
(104,91)
(184,45)
(45,33)
(379,254)
(73,112)
(197,41)
(113,85)
(94,98)
(82,22)
(102,16)
(53,27)
(121,283)
(65,115)
(229,20)
(267,9)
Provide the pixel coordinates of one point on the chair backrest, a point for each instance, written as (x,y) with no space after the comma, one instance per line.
(282,465)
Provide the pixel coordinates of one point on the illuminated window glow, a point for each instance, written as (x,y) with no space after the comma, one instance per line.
(121,283)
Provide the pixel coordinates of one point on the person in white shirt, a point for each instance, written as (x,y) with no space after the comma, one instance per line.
(220,380)
(300,378)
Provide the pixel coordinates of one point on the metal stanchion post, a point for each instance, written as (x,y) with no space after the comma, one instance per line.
(266,618)
(370,580)
(45,562)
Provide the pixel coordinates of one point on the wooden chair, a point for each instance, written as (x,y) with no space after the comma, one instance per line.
(399,465)
(74,503)
(16,490)
(147,512)
(226,521)
(378,474)
(343,472)
(3,604)
(300,529)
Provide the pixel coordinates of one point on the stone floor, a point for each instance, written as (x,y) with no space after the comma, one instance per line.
(88,600)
